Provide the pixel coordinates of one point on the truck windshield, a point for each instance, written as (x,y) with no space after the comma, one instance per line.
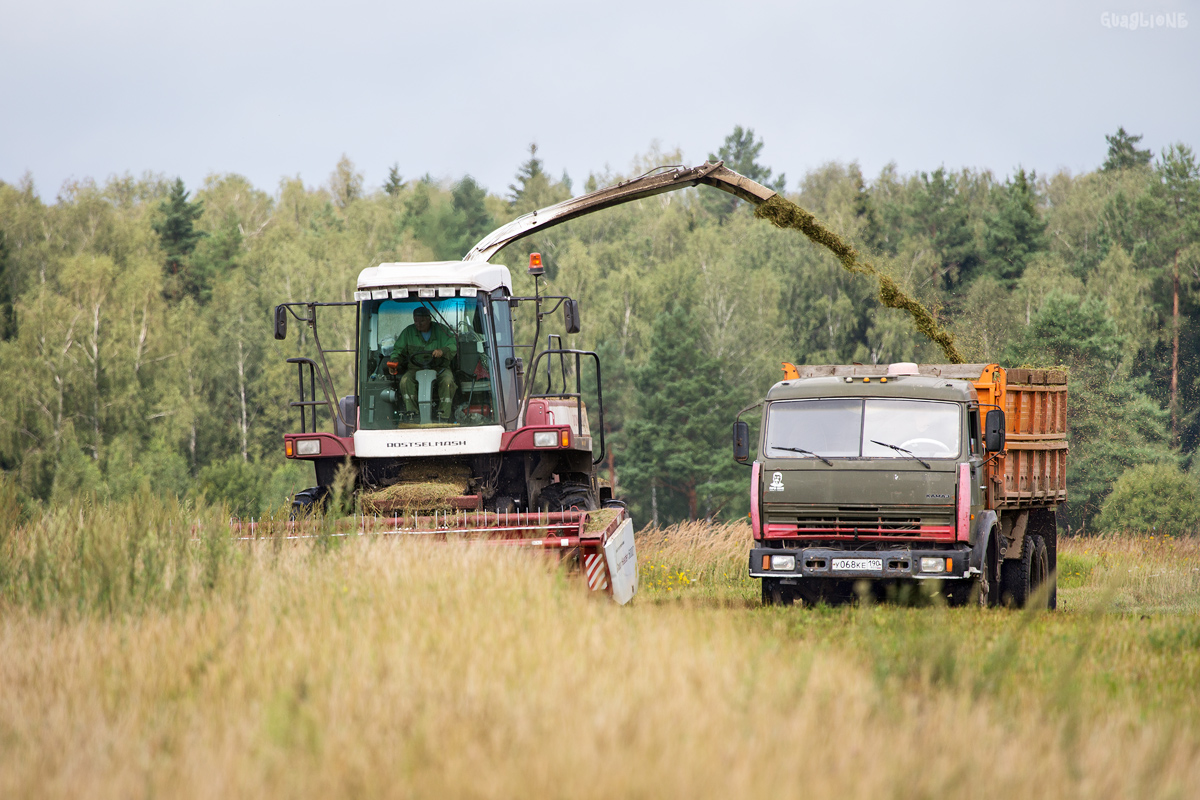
(853,428)
(425,361)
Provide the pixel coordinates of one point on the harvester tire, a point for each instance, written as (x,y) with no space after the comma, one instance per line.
(310,502)
(566,496)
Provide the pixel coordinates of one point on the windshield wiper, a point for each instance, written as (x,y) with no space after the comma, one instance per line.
(908,453)
(805,452)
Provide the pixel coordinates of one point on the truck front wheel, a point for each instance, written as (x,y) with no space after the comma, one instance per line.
(983,590)
(775,593)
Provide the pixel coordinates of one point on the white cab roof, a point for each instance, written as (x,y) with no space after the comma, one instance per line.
(436,273)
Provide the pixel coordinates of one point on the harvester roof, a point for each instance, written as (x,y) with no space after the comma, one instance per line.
(435,273)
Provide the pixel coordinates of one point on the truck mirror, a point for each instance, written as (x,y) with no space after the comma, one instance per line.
(741,442)
(994,436)
(280,322)
(571,315)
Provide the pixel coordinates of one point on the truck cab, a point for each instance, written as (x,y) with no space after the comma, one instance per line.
(883,475)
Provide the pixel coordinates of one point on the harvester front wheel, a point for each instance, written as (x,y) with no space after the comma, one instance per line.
(310,502)
(566,496)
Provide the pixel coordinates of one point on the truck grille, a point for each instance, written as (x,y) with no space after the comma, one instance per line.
(852,525)
(850,522)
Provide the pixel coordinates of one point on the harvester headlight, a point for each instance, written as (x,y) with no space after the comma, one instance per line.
(783,563)
(308,447)
(545,439)
(933,564)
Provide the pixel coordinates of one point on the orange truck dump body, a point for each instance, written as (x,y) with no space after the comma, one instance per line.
(1033,468)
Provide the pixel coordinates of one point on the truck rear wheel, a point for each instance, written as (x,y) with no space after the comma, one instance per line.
(1021,577)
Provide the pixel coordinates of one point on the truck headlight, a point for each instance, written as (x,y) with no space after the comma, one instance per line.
(545,439)
(783,563)
(933,564)
(308,447)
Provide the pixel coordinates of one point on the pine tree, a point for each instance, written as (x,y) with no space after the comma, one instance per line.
(939,213)
(471,214)
(1123,152)
(1016,231)
(533,188)
(740,153)
(870,234)
(677,443)
(395,182)
(213,258)
(1169,219)
(177,233)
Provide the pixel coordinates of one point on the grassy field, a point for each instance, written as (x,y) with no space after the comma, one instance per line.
(142,653)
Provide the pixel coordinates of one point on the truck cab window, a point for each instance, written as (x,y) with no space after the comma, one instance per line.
(863,428)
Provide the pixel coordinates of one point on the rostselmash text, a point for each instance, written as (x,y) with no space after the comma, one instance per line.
(448,443)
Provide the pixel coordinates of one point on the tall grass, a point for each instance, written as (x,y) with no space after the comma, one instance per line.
(696,559)
(87,557)
(386,668)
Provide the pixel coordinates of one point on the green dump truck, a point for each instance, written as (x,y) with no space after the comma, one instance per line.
(870,477)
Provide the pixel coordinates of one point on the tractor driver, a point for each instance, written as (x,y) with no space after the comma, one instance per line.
(425,345)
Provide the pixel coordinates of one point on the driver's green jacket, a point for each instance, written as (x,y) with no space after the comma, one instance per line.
(410,343)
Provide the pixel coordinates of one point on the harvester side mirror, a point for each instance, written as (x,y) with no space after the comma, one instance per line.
(994,434)
(571,315)
(281,322)
(741,442)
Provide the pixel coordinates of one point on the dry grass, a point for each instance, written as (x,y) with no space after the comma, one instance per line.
(1133,573)
(384,668)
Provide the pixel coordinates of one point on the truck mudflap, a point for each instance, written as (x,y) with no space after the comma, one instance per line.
(823,562)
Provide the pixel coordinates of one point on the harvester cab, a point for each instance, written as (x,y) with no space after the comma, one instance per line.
(440,391)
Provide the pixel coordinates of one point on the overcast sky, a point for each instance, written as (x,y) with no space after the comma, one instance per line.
(268,90)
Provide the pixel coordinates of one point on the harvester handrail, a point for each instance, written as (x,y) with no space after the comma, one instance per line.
(327,386)
(576,395)
(300,362)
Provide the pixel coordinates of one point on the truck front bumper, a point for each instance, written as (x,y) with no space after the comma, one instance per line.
(823,562)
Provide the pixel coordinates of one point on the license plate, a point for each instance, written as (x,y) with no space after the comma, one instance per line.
(857,564)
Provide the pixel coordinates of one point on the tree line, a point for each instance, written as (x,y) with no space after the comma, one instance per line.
(135,326)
